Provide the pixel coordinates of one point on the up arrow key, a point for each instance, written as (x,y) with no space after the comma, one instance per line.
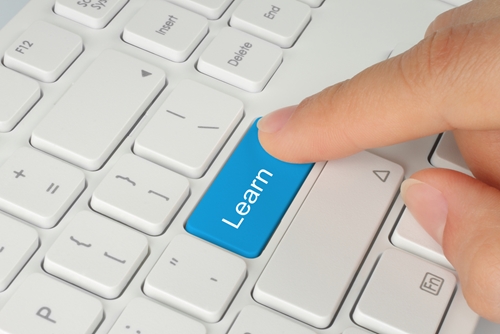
(382,174)
(145,73)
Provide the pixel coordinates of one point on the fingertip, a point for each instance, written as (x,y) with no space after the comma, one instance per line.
(276,120)
(471,235)
(428,205)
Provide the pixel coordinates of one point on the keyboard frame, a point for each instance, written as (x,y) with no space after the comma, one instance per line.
(413,155)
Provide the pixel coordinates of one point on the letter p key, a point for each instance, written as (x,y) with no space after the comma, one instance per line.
(45,312)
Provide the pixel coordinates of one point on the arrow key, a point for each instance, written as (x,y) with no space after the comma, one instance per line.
(383,175)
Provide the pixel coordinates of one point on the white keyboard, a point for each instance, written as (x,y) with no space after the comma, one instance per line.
(127,130)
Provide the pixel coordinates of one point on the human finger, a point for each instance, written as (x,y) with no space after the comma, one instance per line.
(472,12)
(448,81)
(481,151)
(463,215)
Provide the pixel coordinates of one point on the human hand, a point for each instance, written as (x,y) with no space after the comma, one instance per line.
(449,81)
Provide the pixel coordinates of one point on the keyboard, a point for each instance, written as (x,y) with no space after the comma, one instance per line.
(136,198)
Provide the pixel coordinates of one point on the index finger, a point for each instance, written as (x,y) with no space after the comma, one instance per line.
(448,81)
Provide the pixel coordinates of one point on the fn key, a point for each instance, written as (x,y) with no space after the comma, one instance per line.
(405,295)
(247,200)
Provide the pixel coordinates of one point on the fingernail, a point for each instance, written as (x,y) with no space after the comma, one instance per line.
(427,205)
(274,121)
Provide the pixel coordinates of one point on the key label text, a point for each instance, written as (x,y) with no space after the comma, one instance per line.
(272,13)
(240,54)
(251,196)
(168,25)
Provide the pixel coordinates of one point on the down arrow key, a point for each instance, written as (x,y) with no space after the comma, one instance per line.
(382,174)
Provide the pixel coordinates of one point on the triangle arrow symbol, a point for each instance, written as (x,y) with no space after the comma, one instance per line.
(382,174)
(145,73)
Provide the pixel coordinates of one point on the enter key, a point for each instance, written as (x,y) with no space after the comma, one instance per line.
(247,200)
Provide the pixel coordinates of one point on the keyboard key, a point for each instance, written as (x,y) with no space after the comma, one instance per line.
(92,13)
(247,200)
(410,236)
(167,30)
(195,277)
(241,60)
(43,305)
(140,194)
(19,94)
(44,51)
(277,21)
(96,254)
(18,242)
(403,291)
(313,3)
(197,121)
(144,316)
(255,320)
(447,155)
(211,9)
(94,115)
(340,218)
(38,188)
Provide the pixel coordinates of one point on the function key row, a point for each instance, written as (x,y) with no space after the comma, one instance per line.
(44,51)
(98,13)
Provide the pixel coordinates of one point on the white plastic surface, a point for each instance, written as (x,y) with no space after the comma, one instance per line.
(257,320)
(92,13)
(167,30)
(353,330)
(44,306)
(241,60)
(211,9)
(96,254)
(196,278)
(277,21)
(313,3)
(144,316)
(329,238)
(44,51)
(141,194)
(18,242)
(37,187)
(91,119)
(189,129)
(410,236)
(402,291)
(19,94)
(324,54)
(447,155)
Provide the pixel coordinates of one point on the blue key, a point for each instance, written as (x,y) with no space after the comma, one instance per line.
(244,205)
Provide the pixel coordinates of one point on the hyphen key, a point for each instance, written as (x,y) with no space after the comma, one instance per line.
(246,202)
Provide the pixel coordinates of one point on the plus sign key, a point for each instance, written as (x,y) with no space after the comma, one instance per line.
(38,188)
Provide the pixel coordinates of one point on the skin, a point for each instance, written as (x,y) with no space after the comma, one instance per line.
(450,81)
